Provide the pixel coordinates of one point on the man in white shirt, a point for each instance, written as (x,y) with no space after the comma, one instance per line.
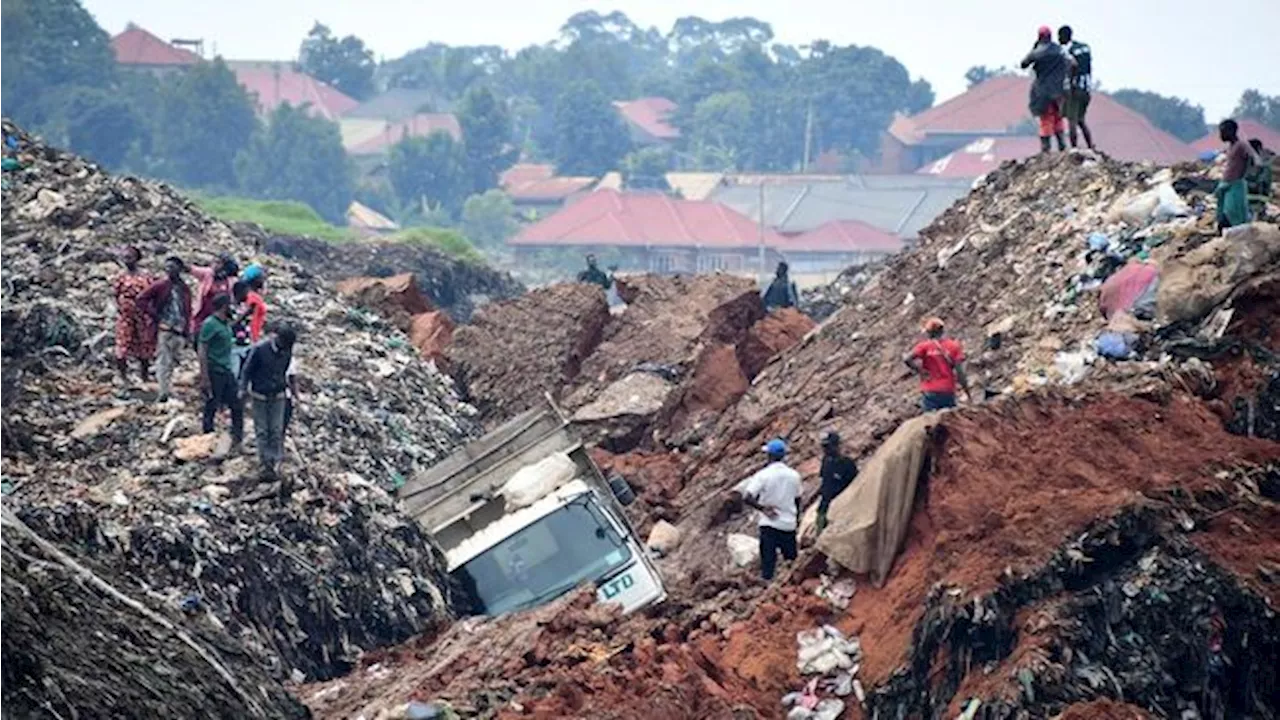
(774,492)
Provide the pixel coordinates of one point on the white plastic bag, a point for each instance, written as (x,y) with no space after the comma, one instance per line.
(535,481)
(744,549)
(1168,204)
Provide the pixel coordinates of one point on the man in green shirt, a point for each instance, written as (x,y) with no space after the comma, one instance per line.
(217,381)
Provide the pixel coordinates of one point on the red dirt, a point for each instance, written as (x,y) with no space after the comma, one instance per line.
(1009,488)
(514,351)
(1103,710)
(397,298)
(1246,541)
(774,333)
(432,334)
(656,478)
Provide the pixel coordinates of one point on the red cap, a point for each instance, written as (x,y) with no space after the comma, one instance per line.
(1045,31)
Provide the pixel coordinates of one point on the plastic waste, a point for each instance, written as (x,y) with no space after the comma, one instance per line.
(744,549)
(1115,345)
(1073,366)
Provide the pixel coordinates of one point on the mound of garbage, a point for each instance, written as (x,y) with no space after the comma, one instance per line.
(456,286)
(80,642)
(305,573)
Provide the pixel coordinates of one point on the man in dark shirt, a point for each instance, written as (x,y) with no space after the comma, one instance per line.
(837,472)
(594,275)
(1050,64)
(1232,192)
(781,292)
(1081,75)
(266,379)
(168,302)
(217,381)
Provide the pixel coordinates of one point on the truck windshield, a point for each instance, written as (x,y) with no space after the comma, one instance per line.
(546,559)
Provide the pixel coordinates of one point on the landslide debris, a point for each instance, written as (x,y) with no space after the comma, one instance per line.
(456,286)
(304,574)
(81,641)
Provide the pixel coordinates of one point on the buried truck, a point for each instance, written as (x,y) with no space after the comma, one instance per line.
(523,516)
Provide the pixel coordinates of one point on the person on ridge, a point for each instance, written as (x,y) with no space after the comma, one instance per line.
(939,361)
(212,281)
(782,291)
(1232,191)
(135,337)
(168,303)
(1050,64)
(774,492)
(594,275)
(1079,81)
(218,384)
(838,471)
(266,379)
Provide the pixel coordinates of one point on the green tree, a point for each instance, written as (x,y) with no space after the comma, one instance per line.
(49,47)
(486,138)
(488,219)
(429,173)
(1171,114)
(205,118)
(590,137)
(344,63)
(646,169)
(722,126)
(102,125)
(295,156)
(1263,108)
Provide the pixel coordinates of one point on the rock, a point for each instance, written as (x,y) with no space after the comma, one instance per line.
(638,394)
(744,550)
(664,537)
(771,335)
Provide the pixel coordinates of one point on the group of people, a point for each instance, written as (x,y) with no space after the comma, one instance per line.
(1060,93)
(225,320)
(774,491)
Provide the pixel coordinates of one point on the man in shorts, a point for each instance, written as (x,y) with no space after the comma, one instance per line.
(1079,80)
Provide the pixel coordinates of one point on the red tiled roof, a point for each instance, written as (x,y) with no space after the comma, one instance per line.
(999,104)
(136,46)
(843,236)
(552,189)
(1249,129)
(274,84)
(982,156)
(609,217)
(420,125)
(650,115)
(522,173)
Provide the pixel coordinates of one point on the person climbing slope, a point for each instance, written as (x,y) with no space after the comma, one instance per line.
(135,336)
(838,471)
(939,361)
(1050,64)
(774,492)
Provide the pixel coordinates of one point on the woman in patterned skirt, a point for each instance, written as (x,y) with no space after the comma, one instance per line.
(135,338)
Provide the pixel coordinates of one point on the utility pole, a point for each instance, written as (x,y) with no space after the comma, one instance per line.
(808,135)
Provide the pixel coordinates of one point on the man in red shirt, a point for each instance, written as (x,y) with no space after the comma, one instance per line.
(939,361)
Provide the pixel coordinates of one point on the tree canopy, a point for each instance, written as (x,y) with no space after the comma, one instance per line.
(590,137)
(51,47)
(429,173)
(486,133)
(1263,108)
(1174,115)
(204,119)
(295,156)
(344,63)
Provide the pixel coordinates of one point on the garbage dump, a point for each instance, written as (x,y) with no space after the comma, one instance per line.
(304,573)
(456,286)
(83,641)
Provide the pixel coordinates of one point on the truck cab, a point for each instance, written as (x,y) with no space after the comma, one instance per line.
(524,516)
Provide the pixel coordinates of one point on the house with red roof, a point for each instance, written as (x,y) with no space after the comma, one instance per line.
(648,119)
(274,83)
(536,190)
(655,232)
(997,109)
(1250,129)
(138,49)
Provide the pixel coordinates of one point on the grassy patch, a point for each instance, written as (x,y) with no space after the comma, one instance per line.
(284,217)
(449,242)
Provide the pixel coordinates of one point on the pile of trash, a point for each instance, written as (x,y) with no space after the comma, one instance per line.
(305,573)
(399,300)
(829,661)
(81,641)
(456,286)
(822,301)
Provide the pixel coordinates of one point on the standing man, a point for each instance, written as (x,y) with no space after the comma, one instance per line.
(774,492)
(838,471)
(1232,192)
(217,382)
(1047,92)
(266,379)
(939,361)
(168,303)
(135,336)
(1078,84)
(594,275)
(781,292)
(210,283)
(255,277)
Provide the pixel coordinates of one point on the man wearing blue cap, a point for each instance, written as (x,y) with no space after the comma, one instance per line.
(774,492)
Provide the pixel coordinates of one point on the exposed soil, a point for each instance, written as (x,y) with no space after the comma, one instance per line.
(1103,710)
(396,298)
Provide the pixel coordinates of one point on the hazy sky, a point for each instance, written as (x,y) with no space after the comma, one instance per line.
(1205,51)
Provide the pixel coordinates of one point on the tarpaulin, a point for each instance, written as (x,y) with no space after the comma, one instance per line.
(1130,289)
